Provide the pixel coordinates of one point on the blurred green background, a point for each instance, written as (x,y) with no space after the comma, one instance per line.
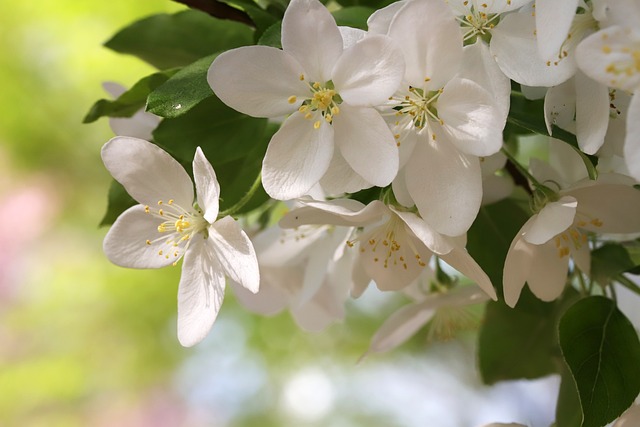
(85,343)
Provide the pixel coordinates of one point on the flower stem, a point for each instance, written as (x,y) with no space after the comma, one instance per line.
(235,208)
(624,281)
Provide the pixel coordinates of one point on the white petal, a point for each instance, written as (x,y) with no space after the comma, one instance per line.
(297,157)
(552,220)
(279,248)
(431,40)
(553,21)
(630,417)
(632,140)
(478,65)
(341,178)
(380,20)
(207,187)
(592,113)
(234,251)
(400,326)
(516,268)
(471,117)
(125,243)
(271,299)
(140,125)
(369,72)
(114,89)
(496,188)
(607,57)
(460,259)
(360,280)
(367,144)
(351,36)
(316,270)
(548,274)
(147,172)
(310,34)
(319,312)
(615,206)
(400,191)
(582,257)
(200,294)
(560,106)
(433,240)
(514,46)
(567,163)
(344,212)
(446,186)
(258,81)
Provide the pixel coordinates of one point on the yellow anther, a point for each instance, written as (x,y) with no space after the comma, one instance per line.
(162,228)
(349,243)
(328,118)
(596,222)
(308,116)
(148,242)
(301,77)
(292,99)
(159,202)
(160,252)
(146,209)
(335,110)
(316,125)
(160,212)
(170,201)
(316,85)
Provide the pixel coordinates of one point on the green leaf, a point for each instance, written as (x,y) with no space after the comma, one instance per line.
(608,261)
(529,115)
(602,350)
(167,41)
(355,16)
(129,102)
(118,201)
(496,225)
(183,91)
(261,18)
(568,412)
(222,132)
(272,36)
(521,342)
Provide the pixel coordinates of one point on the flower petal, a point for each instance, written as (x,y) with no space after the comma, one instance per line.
(608,208)
(346,212)
(125,243)
(553,21)
(552,220)
(433,240)
(592,113)
(380,20)
(258,81)
(431,40)
(548,274)
(272,297)
(341,178)
(369,72)
(471,117)
(400,191)
(147,172)
(514,46)
(297,157)
(516,268)
(367,144)
(560,106)
(445,184)
(310,34)
(631,146)
(234,251)
(207,187)
(200,293)
(460,259)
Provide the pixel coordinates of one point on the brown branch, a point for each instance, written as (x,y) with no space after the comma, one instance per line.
(518,177)
(219,10)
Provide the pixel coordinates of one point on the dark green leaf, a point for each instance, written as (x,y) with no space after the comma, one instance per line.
(355,16)
(496,224)
(528,115)
(602,350)
(568,412)
(224,134)
(261,18)
(166,41)
(521,342)
(272,36)
(183,91)
(608,261)
(131,101)
(118,201)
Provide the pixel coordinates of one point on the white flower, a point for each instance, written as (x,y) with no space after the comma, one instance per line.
(442,116)
(540,252)
(327,89)
(140,125)
(394,247)
(630,417)
(170,223)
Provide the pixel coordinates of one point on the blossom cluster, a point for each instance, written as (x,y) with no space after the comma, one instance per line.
(415,107)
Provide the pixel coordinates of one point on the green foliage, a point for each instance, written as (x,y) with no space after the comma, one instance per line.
(355,16)
(568,412)
(521,342)
(130,101)
(183,91)
(118,201)
(167,41)
(608,261)
(601,349)
(261,18)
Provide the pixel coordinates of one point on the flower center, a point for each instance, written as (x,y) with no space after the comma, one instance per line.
(321,105)
(583,24)
(476,22)
(177,228)
(390,245)
(573,237)
(627,59)
(413,108)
